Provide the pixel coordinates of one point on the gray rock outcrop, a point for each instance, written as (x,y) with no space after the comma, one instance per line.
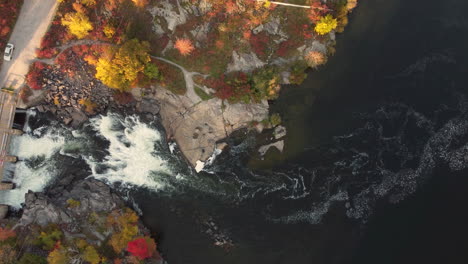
(198,127)
(91,196)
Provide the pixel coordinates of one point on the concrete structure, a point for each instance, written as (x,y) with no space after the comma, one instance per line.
(8,102)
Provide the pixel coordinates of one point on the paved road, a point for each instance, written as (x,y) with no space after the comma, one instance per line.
(33,21)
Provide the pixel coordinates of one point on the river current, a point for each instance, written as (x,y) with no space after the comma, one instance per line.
(374,170)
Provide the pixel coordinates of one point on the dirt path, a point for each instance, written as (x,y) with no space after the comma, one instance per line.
(188,76)
(33,21)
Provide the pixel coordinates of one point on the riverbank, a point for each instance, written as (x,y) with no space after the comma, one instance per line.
(226,87)
(76,221)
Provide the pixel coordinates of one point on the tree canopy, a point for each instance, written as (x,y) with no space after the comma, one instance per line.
(122,69)
(78,24)
(326,24)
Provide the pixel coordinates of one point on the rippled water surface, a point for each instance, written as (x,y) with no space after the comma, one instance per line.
(374,169)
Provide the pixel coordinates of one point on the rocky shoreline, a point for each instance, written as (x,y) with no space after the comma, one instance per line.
(197,127)
(77,221)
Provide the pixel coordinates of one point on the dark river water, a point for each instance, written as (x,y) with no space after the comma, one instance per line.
(376,146)
(374,169)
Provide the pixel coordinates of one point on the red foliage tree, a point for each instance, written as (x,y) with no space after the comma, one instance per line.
(35,74)
(139,248)
(317,10)
(259,43)
(8,12)
(6,233)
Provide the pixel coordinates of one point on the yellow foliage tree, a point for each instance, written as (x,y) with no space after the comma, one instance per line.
(109,31)
(78,24)
(326,24)
(91,255)
(123,69)
(58,256)
(351,4)
(125,224)
(88,3)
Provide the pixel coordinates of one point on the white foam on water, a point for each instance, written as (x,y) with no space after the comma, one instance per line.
(26,177)
(132,159)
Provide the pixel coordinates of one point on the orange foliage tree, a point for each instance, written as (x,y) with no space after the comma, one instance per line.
(184,46)
(6,233)
(140,3)
(315,58)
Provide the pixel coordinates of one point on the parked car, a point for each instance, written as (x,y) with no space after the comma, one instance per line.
(8,52)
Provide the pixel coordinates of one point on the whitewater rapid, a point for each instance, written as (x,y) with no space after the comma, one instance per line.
(133,156)
(379,161)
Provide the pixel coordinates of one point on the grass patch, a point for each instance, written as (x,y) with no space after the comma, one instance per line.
(204,96)
(172,78)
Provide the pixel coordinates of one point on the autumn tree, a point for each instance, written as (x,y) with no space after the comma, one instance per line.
(317,10)
(7,254)
(91,255)
(109,31)
(315,58)
(140,3)
(351,4)
(6,233)
(58,256)
(184,46)
(125,228)
(326,24)
(122,69)
(78,24)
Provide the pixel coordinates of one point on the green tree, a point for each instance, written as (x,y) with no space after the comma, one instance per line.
(122,70)
(29,258)
(151,71)
(326,24)
(78,24)
(49,238)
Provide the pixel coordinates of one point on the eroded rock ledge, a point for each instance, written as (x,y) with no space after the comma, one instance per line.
(198,128)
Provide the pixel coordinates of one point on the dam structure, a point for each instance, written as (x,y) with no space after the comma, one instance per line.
(8,103)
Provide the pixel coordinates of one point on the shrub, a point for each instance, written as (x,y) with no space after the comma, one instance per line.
(72,203)
(275,119)
(90,108)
